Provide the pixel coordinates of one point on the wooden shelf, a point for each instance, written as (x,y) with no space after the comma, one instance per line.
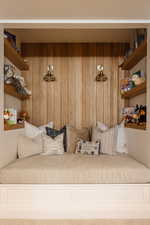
(140,89)
(136,126)
(10,90)
(13,127)
(14,56)
(135,57)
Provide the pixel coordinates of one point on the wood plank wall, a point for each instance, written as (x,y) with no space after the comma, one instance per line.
(75,98)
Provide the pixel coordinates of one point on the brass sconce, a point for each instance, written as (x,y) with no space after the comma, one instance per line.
(49,76)
(101,76)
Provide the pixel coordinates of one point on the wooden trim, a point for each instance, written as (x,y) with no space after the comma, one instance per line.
(10,90)
(136,126)
(140,89)
(13,127)
(135,57)
(14,56)
(83,201)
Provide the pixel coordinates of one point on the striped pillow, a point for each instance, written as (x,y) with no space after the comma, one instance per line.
(53,146)
(108,140)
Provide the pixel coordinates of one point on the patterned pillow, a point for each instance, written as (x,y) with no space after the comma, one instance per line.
(54,133)
(53,146)
(88,148)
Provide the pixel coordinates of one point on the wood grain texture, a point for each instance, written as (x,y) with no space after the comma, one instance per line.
(75,97)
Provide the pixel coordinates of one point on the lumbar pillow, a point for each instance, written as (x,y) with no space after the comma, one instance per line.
(54,133)
(121,139)
(88,148)
(103,127)
(43,128)
(32,131)
(73,136)
(28,146)
(53,146)
(108,140)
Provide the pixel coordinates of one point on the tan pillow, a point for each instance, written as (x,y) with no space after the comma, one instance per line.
(28,146)
(73,136)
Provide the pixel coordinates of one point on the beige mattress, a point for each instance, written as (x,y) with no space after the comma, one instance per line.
(75,169)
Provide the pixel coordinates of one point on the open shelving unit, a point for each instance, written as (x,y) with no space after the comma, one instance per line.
(14,56)
(13,127)
(140,89)
(138,54)
(136,126)
(18,61)
(10,90)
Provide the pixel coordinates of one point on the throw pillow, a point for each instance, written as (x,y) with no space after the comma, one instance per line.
(54,133)
(88,148)
(28,147)
(121,139)
(108,140)
(43,128)
(32,131)
(74,135)
(53,146)
(103,127)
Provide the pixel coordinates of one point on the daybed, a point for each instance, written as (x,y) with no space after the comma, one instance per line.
(100,187)
(75,169)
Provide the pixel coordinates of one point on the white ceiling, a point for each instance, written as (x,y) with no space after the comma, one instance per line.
(73,35)
(75,9)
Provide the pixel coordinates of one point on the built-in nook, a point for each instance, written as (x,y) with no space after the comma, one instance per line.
(81,101)
(88,80)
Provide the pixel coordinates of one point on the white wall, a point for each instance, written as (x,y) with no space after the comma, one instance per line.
(85,9)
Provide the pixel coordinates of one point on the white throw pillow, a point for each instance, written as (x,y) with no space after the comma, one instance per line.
(121,139)
(88,148)
(103,127)
(43,128)
(53,146)
(32,131)
(28,147)
(108,140)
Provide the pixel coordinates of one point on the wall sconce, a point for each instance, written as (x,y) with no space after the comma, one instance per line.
(101,76)
(49,76)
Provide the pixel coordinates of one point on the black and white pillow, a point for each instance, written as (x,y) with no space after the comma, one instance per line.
(54,133)
(88,148)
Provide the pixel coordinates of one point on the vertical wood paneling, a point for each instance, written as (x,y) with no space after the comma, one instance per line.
(75,97)
(108,84)
(89,84)
(99,85)
(43,89)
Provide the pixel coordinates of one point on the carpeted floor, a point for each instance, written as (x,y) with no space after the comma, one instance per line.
(75,222)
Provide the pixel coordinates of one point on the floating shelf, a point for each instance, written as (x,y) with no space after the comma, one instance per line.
(13,127)
(135,57)
(140,89)
(10,90)
(136,126)
(14,56)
